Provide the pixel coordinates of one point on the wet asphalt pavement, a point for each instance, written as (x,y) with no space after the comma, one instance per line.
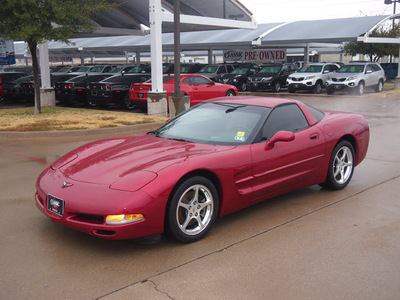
(309,244)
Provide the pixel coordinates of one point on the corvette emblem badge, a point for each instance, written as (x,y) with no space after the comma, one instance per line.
(66,184)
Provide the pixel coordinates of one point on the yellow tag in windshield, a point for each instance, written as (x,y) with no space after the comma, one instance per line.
(240,136)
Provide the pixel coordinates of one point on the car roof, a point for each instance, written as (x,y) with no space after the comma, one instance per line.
(255,100)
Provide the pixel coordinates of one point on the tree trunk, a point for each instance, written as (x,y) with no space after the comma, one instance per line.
(32,45)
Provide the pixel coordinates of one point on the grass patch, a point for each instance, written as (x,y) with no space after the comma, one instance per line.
(65,118)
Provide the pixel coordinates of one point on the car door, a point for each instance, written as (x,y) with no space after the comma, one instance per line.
(287,165)
(370,76)
(200,88)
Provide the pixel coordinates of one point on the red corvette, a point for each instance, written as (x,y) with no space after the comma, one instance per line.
(215,158)
(198,87)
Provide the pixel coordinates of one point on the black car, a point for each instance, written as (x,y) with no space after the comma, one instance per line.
(131,69)
(7,84)
(186,68)
(114,89)
(74,90)
(239,77)
(271,76)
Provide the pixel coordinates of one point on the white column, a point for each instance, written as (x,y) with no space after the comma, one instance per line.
(44,65)
(157,98)
(47,95)
(156,45)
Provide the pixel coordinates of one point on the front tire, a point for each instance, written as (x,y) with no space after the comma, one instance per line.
(341,166)
(317,88)
(276,87)
(192,210)
(360,89)
(291,89)
(243,86)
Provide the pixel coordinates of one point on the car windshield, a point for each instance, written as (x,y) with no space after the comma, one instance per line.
(22,79)
(208,69)
(351,69)
(240,71)
(97,69)
(310,69)
(270,70)
(135,70)
(116,70)
(85,78)
(215,123)
(82,69)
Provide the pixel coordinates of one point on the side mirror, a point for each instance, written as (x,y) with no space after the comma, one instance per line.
(280,136)
(368,72)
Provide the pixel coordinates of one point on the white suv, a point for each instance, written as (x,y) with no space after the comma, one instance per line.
(356,77)
(311,77)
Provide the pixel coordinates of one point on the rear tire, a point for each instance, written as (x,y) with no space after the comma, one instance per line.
(230,93)
(379,86)
(127,103)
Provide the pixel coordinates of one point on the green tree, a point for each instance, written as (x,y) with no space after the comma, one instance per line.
(36,21)
(377,50)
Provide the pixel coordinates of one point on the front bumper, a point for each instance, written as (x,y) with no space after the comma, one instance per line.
(301,85)
(341,85)
(86,206)
(260,85)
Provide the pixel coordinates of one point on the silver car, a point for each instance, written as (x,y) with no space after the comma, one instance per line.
(356,77)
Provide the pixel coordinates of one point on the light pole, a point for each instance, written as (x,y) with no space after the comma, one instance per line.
(388,2)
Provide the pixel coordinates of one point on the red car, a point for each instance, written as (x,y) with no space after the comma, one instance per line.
(211,160)
(198,87)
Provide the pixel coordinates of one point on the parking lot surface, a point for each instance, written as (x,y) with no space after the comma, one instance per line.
(309,244)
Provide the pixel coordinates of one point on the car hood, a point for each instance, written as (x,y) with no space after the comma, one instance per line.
(342,75)
(298,75)
(105,161)
(230,76)
(263,75)
(208,74)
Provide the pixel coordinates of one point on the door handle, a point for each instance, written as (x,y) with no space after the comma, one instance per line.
(314,136)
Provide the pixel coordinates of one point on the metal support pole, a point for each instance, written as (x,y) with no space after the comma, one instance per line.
(177,102)
(177,48)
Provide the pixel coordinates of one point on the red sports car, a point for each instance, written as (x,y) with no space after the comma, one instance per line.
(211,160)
(198,87)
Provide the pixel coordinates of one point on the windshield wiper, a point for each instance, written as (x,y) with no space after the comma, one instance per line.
(180,140)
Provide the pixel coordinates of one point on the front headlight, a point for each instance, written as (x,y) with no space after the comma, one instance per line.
(352,78)
(266,79)
(310,77)
(123,219)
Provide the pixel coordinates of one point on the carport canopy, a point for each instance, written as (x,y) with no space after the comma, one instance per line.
(142,17)
(299,34)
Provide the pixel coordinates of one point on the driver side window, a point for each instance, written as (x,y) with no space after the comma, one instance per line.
(199,80)
(285,117)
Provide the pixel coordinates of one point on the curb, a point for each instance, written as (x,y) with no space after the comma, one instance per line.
(123,130)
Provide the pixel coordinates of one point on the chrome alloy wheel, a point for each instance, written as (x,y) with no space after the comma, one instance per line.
(343,165)
(195,209)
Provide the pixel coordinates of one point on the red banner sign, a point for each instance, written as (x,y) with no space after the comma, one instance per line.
(263,55)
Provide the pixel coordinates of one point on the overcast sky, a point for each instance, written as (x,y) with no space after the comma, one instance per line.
(272,11)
